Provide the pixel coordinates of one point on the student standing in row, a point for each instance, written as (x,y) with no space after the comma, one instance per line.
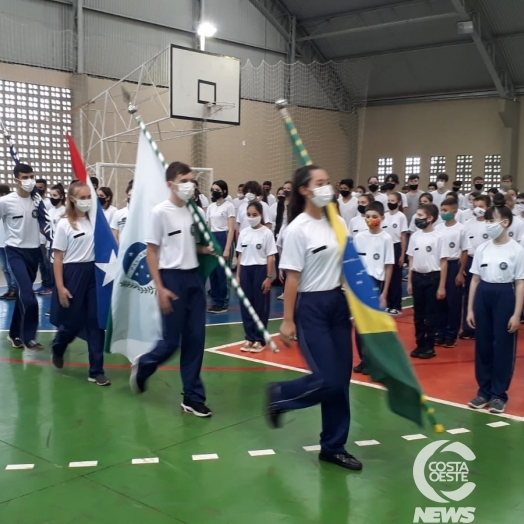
(267,186)
(58,208)
(316,309)
(240,197)
(221,220)
(172,260)
(74,303)
(413,196)
(426,279)
(12,287)
(495,305)
(396,225)
(105,197)
(256,254)
(347,203)
(455,244)
(252,191)
(359,223)
(373,186)
(120,217)
(392,182)
(441,193)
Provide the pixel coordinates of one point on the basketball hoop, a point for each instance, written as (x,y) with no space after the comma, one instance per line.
(212,108)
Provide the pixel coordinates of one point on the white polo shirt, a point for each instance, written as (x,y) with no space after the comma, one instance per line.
(311,248)
(516,230)
(426,250)
(172,229)
(109,213)
(77,244)
(438,198)
(375,251)
(455,240)
(256,245)
(20,218)
(218,216)
(348,210)
(499,263)
(55,214)
(242,215)
(476,233)
(119,219)
(383,199)
(357,225)
(395,224)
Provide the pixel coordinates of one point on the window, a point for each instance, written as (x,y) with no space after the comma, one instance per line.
(437,164)
(492,170)
(412,166)
(385,168)
(464,171)
(38,118)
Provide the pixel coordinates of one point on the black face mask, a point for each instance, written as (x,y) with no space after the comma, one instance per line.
(55,201)
(479,187)
(390,186)
(421,223)
(287,193)
(102,200)
(413,187)
(392,207)
(281,198)
(345,193)
(361,209)
(215,195)
(373,188)
(456,189)
(41,192)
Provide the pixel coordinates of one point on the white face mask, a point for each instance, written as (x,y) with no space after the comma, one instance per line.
(250,197)
(28,185)
(184,191)
(519,208)
(479,212)
(494,230)
(440,185)
(240,196)
(254,221)
(83,205)
(322,196)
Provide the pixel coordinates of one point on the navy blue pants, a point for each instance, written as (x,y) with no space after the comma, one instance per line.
(6,270)
(218,279)
(24,265)
(395,286)
(467,284)
(425,307)
(185,327)
(323,325)
(495,348)
(251,280)
(46,269)
(450,309)
(81,317)
(380,285)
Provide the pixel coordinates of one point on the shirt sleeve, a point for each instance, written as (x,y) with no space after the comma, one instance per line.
(60,238)
(204,201)
(519,265)
(403,223)
(114,221)
(271,247)
(466,242)
(389,255)
(294,252)
(231,212)
(2,207)
(404,200)
(267,217)
(155,229)
(411,245)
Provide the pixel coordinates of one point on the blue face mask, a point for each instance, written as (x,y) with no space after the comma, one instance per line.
(446,216)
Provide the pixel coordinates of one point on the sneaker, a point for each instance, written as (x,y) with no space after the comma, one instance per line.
(196,408)
(16,342)
(58,362)
(100,380)
(246,346)
(497,405)
(43,291)
(439,342)
(10,295)
(273,413)
(34,345)
(393,312)
(361,369)
(423,353)
(478,403)
(386,310)
(257,347)
(280,297)
(450,343)
(215,310)
(344,460)
(467,335)
(136,384)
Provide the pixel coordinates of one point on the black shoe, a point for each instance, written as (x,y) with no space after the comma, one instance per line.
(100,380)
(34,345)
(467,335)
(57,361)
(359,368)
(449,343)
(217,309)
(16,342)
(196,408)
(426,354)
(344,460)
(416,352)
(10,295)
(136,384)
(439,342)
(273,413)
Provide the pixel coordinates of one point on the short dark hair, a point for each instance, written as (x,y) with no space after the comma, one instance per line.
(252,187)
(347,182)
(457,183)
(268,183)
(4,189)
(450,201)
(413,176)
(240,185)
(178,168)
(507,177)
(429,196)
(129,185)
(484,198)
(443,176)
(376,206)
(393,177)
(493,190)
(26,169)
(478,178)
(41,181)
(94,181)
(430,210)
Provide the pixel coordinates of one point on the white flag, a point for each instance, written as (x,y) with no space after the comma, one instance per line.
(135,320)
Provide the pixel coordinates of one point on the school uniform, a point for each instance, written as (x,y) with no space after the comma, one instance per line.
(348,210)
(22,247)
(237,202)
(242,222)
(498,266)
(55,214)
(271,200)
(357,225)
(476,234)
(255,246)
(119,220)
(438,198)
(323,326)
(109,213)
(426,250)
(414,229)
(6,269)
(455,242)
(395,225)
(516,230)
(172,229)
(78,246)
(204,201)
(218,216)
(382,198)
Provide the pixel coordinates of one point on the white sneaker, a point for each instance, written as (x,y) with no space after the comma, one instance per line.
(257,347)
(246,346)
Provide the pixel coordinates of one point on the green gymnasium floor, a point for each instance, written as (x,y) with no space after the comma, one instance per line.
(51,418)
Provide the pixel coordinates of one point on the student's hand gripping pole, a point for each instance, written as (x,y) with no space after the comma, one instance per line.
(305,160)
(208,236)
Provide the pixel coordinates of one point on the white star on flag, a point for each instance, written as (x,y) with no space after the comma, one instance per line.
(109,268)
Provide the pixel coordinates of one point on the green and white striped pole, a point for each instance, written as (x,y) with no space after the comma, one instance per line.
(209,238)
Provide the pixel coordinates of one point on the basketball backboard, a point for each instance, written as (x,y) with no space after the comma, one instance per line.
(204,86)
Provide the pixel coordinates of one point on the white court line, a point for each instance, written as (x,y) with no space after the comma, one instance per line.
(362,443)
(458,431)
(262,452)
(13,467)
(210,456)
(316,447)
(85,464)
(153,460)
(497,424)
(414,437)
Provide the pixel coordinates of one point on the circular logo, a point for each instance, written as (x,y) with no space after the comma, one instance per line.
(259,246)
(485,235)
(428,471)
(452,244)
(376,256)
(395,226)
(510,234)
(135,264)
(503,266)
(429,249)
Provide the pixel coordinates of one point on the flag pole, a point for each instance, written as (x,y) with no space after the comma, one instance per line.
(206,232)
(305,160)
